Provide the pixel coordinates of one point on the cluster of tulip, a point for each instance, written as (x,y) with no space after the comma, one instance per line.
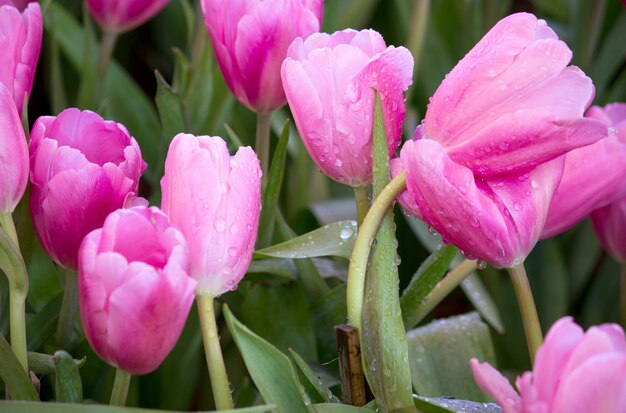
(508,153)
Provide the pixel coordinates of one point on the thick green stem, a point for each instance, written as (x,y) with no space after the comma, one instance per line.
(262,143)
(120,388)
(362,203)
(622,295)
(6,220)
(107,45)
(17,311)
(69,311)
(363,244)
(213,353)
(528,311)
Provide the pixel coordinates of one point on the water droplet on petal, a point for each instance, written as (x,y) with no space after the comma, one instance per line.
(220,225)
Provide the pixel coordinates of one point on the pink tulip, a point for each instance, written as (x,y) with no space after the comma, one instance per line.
(250,40)
(330,82)
(123,15)
(20,43)
(485,171)
(574,372)
(82,169)
(593,175)
(609,223)
(215,199)
(135,292)
(13,154)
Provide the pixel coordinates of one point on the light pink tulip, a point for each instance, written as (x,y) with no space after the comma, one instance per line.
(574,372)
(135,292)
(82,168)
(20,43)
(250,40)
(215,199)
(484,173)
(330,82)
(593,175)
(13,154)
(609,223)
(123,15)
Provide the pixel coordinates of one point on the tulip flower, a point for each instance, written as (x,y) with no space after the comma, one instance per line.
(330,82)
(250,40)
(135,292)
(82,169)
(123,15)
(575,372)
(20,43)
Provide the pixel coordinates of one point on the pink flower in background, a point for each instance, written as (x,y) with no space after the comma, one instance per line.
(123,15)
(13,154)
(330,83)
(593,175)
(135,292)
(486,169)
(20,43)
(574,372)
(82,169)
(609,223)
(250,40)
(215,199)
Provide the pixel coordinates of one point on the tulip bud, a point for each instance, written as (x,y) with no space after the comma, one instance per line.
(135,292)
(123,15)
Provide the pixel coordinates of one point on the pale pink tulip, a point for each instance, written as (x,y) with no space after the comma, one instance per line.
(485,171)
(609,223)
(20,43)
(215,199)
(123,15)
(13,154)
(135,291)
(574,372)
(82,168)
(330,82)
(250,40)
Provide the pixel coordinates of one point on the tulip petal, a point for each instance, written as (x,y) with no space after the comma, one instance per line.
(609,223)
(498,387)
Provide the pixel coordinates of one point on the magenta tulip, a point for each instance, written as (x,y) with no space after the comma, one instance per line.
(82,169)
(574,372)
(484,173)
(215,199)
(135,292)
(330,82)
(20,43)
(123,15)
(250,40)
(13,154)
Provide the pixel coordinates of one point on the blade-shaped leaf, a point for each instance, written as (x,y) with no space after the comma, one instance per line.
(40,363)
(13,374)
(313,385)
(31,407)
(68,385)
(172,118)
(339,408)
(443,405)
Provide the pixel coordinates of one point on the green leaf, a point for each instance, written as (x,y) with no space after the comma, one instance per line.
(440,352)
(272,372)
(426,277)
(336,239)
(282,267)
(68,385)
(89,76)
(235,140)
(42,364)
(329,311)
(339,408)
(43,324)
(30,407)
(442,405)
(610,56)
(17,381)
(312,383)
(383,338)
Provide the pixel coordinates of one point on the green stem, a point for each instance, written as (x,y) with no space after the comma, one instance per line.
(363,244)
(530,319)
(444,287)
(362,203)
(417,35)
(69,311)
(6,220)
(107,45)
(120,388)
(622,295)
(262,143)
(213,353)
(17,311)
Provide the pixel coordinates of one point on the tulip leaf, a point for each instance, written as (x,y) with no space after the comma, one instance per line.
(281,267)
(426,277)
(15,378)
(339,408)
(33,407)
(445,405)
(42,364)
(271,370)
(90,81)
(336,239)
(439,355)
(235,140)
(172,118)
(329,311)
(383,337)
(43,324)
(315,389)
(68,385)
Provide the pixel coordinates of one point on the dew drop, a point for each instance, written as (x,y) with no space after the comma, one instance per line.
(481,265)
(432,231)
(345,233)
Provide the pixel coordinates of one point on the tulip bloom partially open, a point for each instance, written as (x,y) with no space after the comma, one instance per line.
(330,82)
(135,292)
(575,372)
(486,169)
(82,169)
(20,43)
(215,199)
(250,40)
(123,15)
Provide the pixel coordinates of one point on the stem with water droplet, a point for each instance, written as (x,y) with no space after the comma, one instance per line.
(362,246)
(528,311)
(362,203)
(213,353)
(120,388)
